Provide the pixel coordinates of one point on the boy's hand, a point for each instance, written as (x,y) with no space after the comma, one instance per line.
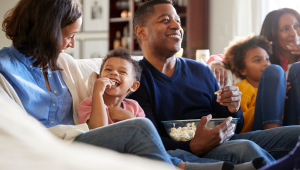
(288,87)
(118,114)
(231,97)
(101,84)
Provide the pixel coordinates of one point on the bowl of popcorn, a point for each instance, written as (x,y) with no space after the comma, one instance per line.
(184,130)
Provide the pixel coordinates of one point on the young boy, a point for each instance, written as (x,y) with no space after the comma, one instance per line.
(247,58)
(119,76)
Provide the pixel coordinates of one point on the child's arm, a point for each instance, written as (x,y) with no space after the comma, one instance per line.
(118,114)
(98,116)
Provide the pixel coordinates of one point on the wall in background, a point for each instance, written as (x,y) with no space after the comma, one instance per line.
(81,37)
(5,5)
(220,24)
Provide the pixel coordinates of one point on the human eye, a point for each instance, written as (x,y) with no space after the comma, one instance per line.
(107,69)
(123,72)
(165,20)
(257,60)
(284,29)
(71,37)
(297,26)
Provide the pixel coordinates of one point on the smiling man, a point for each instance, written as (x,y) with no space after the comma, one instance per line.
(177,88)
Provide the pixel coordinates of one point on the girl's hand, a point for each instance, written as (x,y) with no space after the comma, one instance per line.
(288,87)
(294,48)
(221,74)
(101,84)
(118,114)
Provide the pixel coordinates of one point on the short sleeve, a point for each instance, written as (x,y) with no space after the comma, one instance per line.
(85,109)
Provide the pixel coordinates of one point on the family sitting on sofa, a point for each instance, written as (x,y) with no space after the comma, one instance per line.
(83,101)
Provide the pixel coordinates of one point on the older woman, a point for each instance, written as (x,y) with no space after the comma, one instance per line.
(49,84)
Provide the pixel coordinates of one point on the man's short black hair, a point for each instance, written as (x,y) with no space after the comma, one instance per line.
(143,13)
(123,53)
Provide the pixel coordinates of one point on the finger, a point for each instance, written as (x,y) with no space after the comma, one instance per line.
(230,99)
(227,136)
(233,104)
(221,78)
(224,125)
(293,47)
(295,52)
(217,75)
(230,94)
(203,121)
(225,78)
(230,88)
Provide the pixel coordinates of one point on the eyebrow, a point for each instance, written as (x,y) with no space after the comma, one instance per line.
(167,14)
(259,56)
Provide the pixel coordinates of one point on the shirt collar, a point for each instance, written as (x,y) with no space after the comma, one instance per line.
(283,62)
(25,60)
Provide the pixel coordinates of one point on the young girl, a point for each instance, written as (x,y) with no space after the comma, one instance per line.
(263,85)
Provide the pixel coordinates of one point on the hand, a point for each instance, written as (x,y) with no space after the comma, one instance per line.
(101,84)
(231,97)
(221,74)
(116,113)
(288,87)
(294,48)
(207,139)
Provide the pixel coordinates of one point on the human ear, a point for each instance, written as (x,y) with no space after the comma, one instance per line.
(135,85)
(243,72)
(141,32)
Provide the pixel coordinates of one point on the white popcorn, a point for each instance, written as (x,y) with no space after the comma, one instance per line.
(183,133)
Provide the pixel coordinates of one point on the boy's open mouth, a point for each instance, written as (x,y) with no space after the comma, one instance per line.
(115,82)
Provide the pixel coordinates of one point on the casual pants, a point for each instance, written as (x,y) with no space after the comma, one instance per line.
(270,144)
(134,136)
(270,101)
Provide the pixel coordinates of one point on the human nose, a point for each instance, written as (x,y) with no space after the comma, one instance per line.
(294,32)
(114,72)
(175,24)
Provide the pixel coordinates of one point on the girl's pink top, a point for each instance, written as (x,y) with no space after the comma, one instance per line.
(85,109)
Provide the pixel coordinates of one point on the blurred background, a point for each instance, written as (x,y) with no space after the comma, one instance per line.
(209,25)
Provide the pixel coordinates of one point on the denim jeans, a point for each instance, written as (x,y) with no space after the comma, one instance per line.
(270,144)
(270,100)
(292,104)
(134,136)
